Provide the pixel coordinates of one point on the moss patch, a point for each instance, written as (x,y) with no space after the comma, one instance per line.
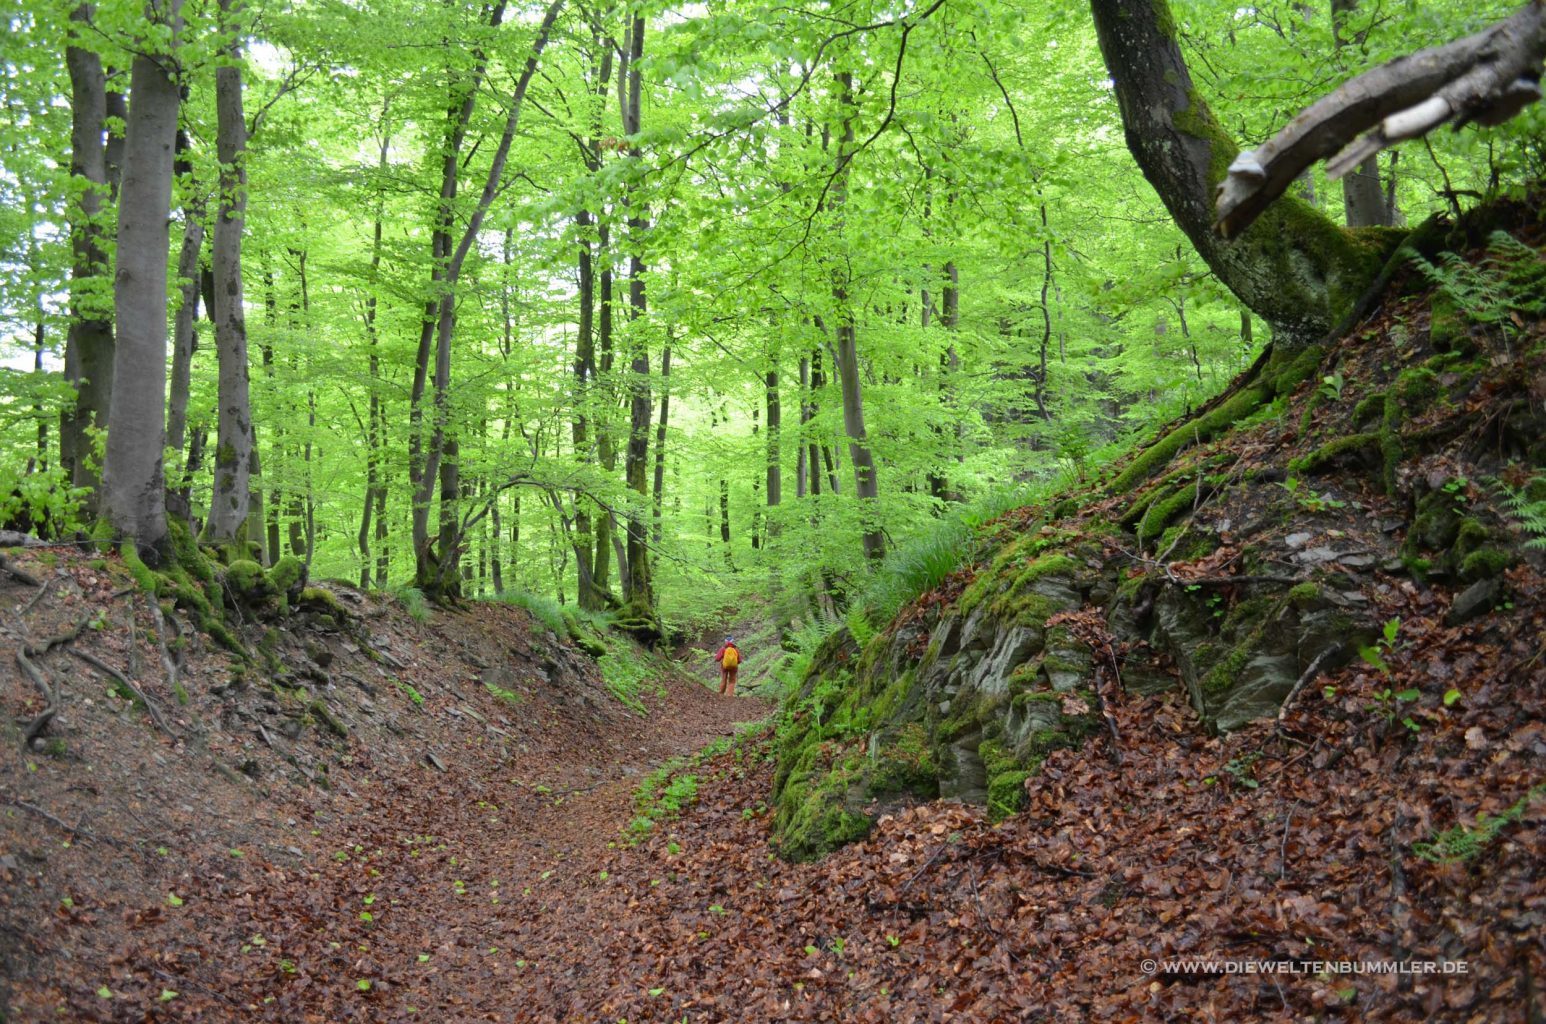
(1333,451)
(1202,428)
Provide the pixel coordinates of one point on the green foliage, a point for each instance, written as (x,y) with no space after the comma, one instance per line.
(542,608)
(1526,507)
(1375,654)
(629,675)
(414,603)
(41,502)
(1463,843)
(1084,316)
(1499,291)
(662,797)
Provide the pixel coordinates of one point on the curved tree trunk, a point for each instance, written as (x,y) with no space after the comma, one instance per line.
(1296,269)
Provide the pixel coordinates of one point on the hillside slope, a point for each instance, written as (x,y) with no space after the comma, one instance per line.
(1358,529)
(225,845)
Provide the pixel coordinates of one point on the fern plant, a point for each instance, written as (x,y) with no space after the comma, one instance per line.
(1498,292)
(1528,515)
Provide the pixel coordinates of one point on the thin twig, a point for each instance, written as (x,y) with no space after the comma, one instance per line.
(1309,674)
(926,865)
(38,596)
(73,829)
(982,915)
(1283,846)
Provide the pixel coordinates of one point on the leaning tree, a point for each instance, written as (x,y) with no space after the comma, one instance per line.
(1285,260)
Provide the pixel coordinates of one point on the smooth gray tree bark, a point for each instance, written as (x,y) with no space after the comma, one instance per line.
(234,429)
(133,481)
(88,360)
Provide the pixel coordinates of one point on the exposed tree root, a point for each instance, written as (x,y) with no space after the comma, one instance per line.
(123,682)
(17,573)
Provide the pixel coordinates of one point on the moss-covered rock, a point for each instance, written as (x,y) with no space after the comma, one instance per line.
(1484,564)
(288,574)
(247,582)
(1353,446)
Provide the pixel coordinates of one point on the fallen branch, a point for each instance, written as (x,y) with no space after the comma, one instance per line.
(72,829)
(1488,78)
(1308,674)
(42,591)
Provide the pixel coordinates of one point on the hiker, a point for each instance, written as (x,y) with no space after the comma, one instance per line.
(729,658)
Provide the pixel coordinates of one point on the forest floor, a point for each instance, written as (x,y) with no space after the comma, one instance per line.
(371,818)
(415,859)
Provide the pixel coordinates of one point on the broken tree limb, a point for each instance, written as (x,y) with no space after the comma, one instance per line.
(1488,77)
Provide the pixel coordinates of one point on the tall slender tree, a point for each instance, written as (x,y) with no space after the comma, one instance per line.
(133,480)
(228,505)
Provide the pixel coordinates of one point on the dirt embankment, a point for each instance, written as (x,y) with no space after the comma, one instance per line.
(344,826)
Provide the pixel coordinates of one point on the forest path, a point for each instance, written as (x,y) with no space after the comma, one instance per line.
(456,899)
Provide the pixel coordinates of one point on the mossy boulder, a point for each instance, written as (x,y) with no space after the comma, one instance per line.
(288,574)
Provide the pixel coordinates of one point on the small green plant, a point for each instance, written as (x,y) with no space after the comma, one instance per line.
(506,695)
(1242,770)
(1391,704)
(1307,501)
(628,677)
(662,798)
(1462,843)
(1332,385)
(1528,514)
(1498,293)
(1376,654)
(411,693)
(414,603)
(542,608)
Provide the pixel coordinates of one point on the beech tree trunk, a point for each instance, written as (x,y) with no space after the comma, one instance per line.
(659,488)
(228,504)
(133,482)
(802,472)
(185,339)
(640,589)
(375,476)
(1363,199)
(439,574)
(866,486)
(88,359)
(775,411)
